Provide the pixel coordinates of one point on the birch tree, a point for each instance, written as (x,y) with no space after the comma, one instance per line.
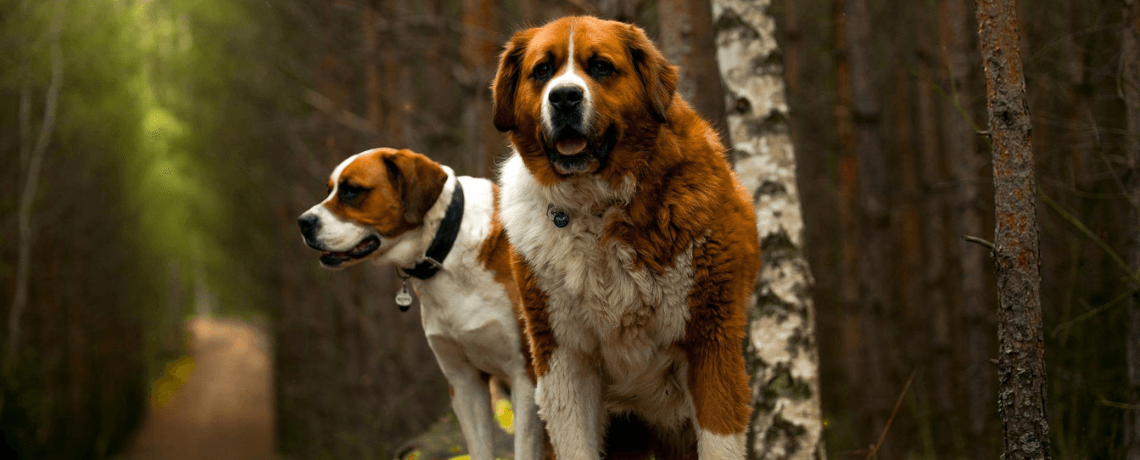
(782,351)
(1021,358)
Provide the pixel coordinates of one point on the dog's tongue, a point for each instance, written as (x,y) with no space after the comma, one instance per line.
(570,147)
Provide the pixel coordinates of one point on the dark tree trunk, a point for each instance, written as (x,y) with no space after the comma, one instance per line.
(1130,89)
(854,368)
(1021,347)
(960,143)
(686,31)
(940,365)
(479,46)
(875,251)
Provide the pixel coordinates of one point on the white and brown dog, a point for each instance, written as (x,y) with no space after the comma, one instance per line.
(636,248)
(400,208)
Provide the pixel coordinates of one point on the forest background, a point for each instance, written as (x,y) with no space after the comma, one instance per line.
(161,150)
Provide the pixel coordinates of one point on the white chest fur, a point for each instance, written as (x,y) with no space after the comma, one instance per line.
(601,304)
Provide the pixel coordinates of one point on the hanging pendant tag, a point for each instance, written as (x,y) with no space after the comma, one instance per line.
(557,216)
(404,297)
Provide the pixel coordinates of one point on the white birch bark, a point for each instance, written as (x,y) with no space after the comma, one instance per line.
(782,349)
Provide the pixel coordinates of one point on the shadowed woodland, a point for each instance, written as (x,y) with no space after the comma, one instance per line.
(157,154)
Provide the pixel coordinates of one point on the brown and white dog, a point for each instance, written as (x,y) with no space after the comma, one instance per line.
(636,247)
(395,206)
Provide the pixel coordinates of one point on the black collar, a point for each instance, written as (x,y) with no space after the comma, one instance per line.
(432,261)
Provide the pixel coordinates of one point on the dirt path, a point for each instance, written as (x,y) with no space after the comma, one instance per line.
(224,409)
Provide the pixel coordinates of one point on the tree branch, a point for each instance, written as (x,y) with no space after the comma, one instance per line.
(974,239)
(895,411)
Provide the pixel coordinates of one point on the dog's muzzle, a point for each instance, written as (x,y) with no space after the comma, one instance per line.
(310,225)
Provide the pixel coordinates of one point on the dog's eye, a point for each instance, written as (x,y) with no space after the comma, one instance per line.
(600,68)
(347,191)
(542,70)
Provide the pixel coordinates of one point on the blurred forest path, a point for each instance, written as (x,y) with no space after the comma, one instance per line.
(224,409)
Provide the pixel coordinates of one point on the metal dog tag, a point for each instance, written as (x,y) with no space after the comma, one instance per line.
(557,215)
(404,297)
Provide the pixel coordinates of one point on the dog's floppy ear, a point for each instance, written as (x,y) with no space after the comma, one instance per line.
(657,76)
(506,82)
(418,180)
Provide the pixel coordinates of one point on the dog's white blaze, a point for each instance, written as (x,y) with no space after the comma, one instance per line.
(568,77)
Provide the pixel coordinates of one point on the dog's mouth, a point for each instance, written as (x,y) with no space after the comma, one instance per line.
(571,151)
(363,249)
(571,144)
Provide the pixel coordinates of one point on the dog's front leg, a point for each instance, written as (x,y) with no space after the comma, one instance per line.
(569,401)
(528,429)
(718,390)
(470,399)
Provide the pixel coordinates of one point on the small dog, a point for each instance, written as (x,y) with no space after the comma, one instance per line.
(443,234)
(636,247)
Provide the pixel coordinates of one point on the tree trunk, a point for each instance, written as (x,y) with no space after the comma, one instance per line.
(35,160)
(782,350)
(876,303)
(960,142)
(373,93)
(686,31)
(940,366)
(397,104)
(1021,356)
(854,343)
(480,45)
(1130,89)
(908,270)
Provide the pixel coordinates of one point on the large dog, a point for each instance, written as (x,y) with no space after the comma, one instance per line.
(400,208)
(636,247)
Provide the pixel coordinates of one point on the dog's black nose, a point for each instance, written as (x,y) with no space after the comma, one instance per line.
(308,225)
(565,97)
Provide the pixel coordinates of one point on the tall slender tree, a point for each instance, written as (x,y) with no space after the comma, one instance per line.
(960,143)
(935,236)
(32,158)
(1130,90)
(1021,347)
(782,347)
(876,301)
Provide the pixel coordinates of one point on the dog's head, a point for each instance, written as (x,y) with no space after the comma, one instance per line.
(375,198)
(576,92)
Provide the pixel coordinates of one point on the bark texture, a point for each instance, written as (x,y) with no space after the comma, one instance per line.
(782,347)
(1130,90)
(1021,347)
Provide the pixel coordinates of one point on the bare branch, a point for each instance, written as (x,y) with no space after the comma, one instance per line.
(974,239)
(895,411)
